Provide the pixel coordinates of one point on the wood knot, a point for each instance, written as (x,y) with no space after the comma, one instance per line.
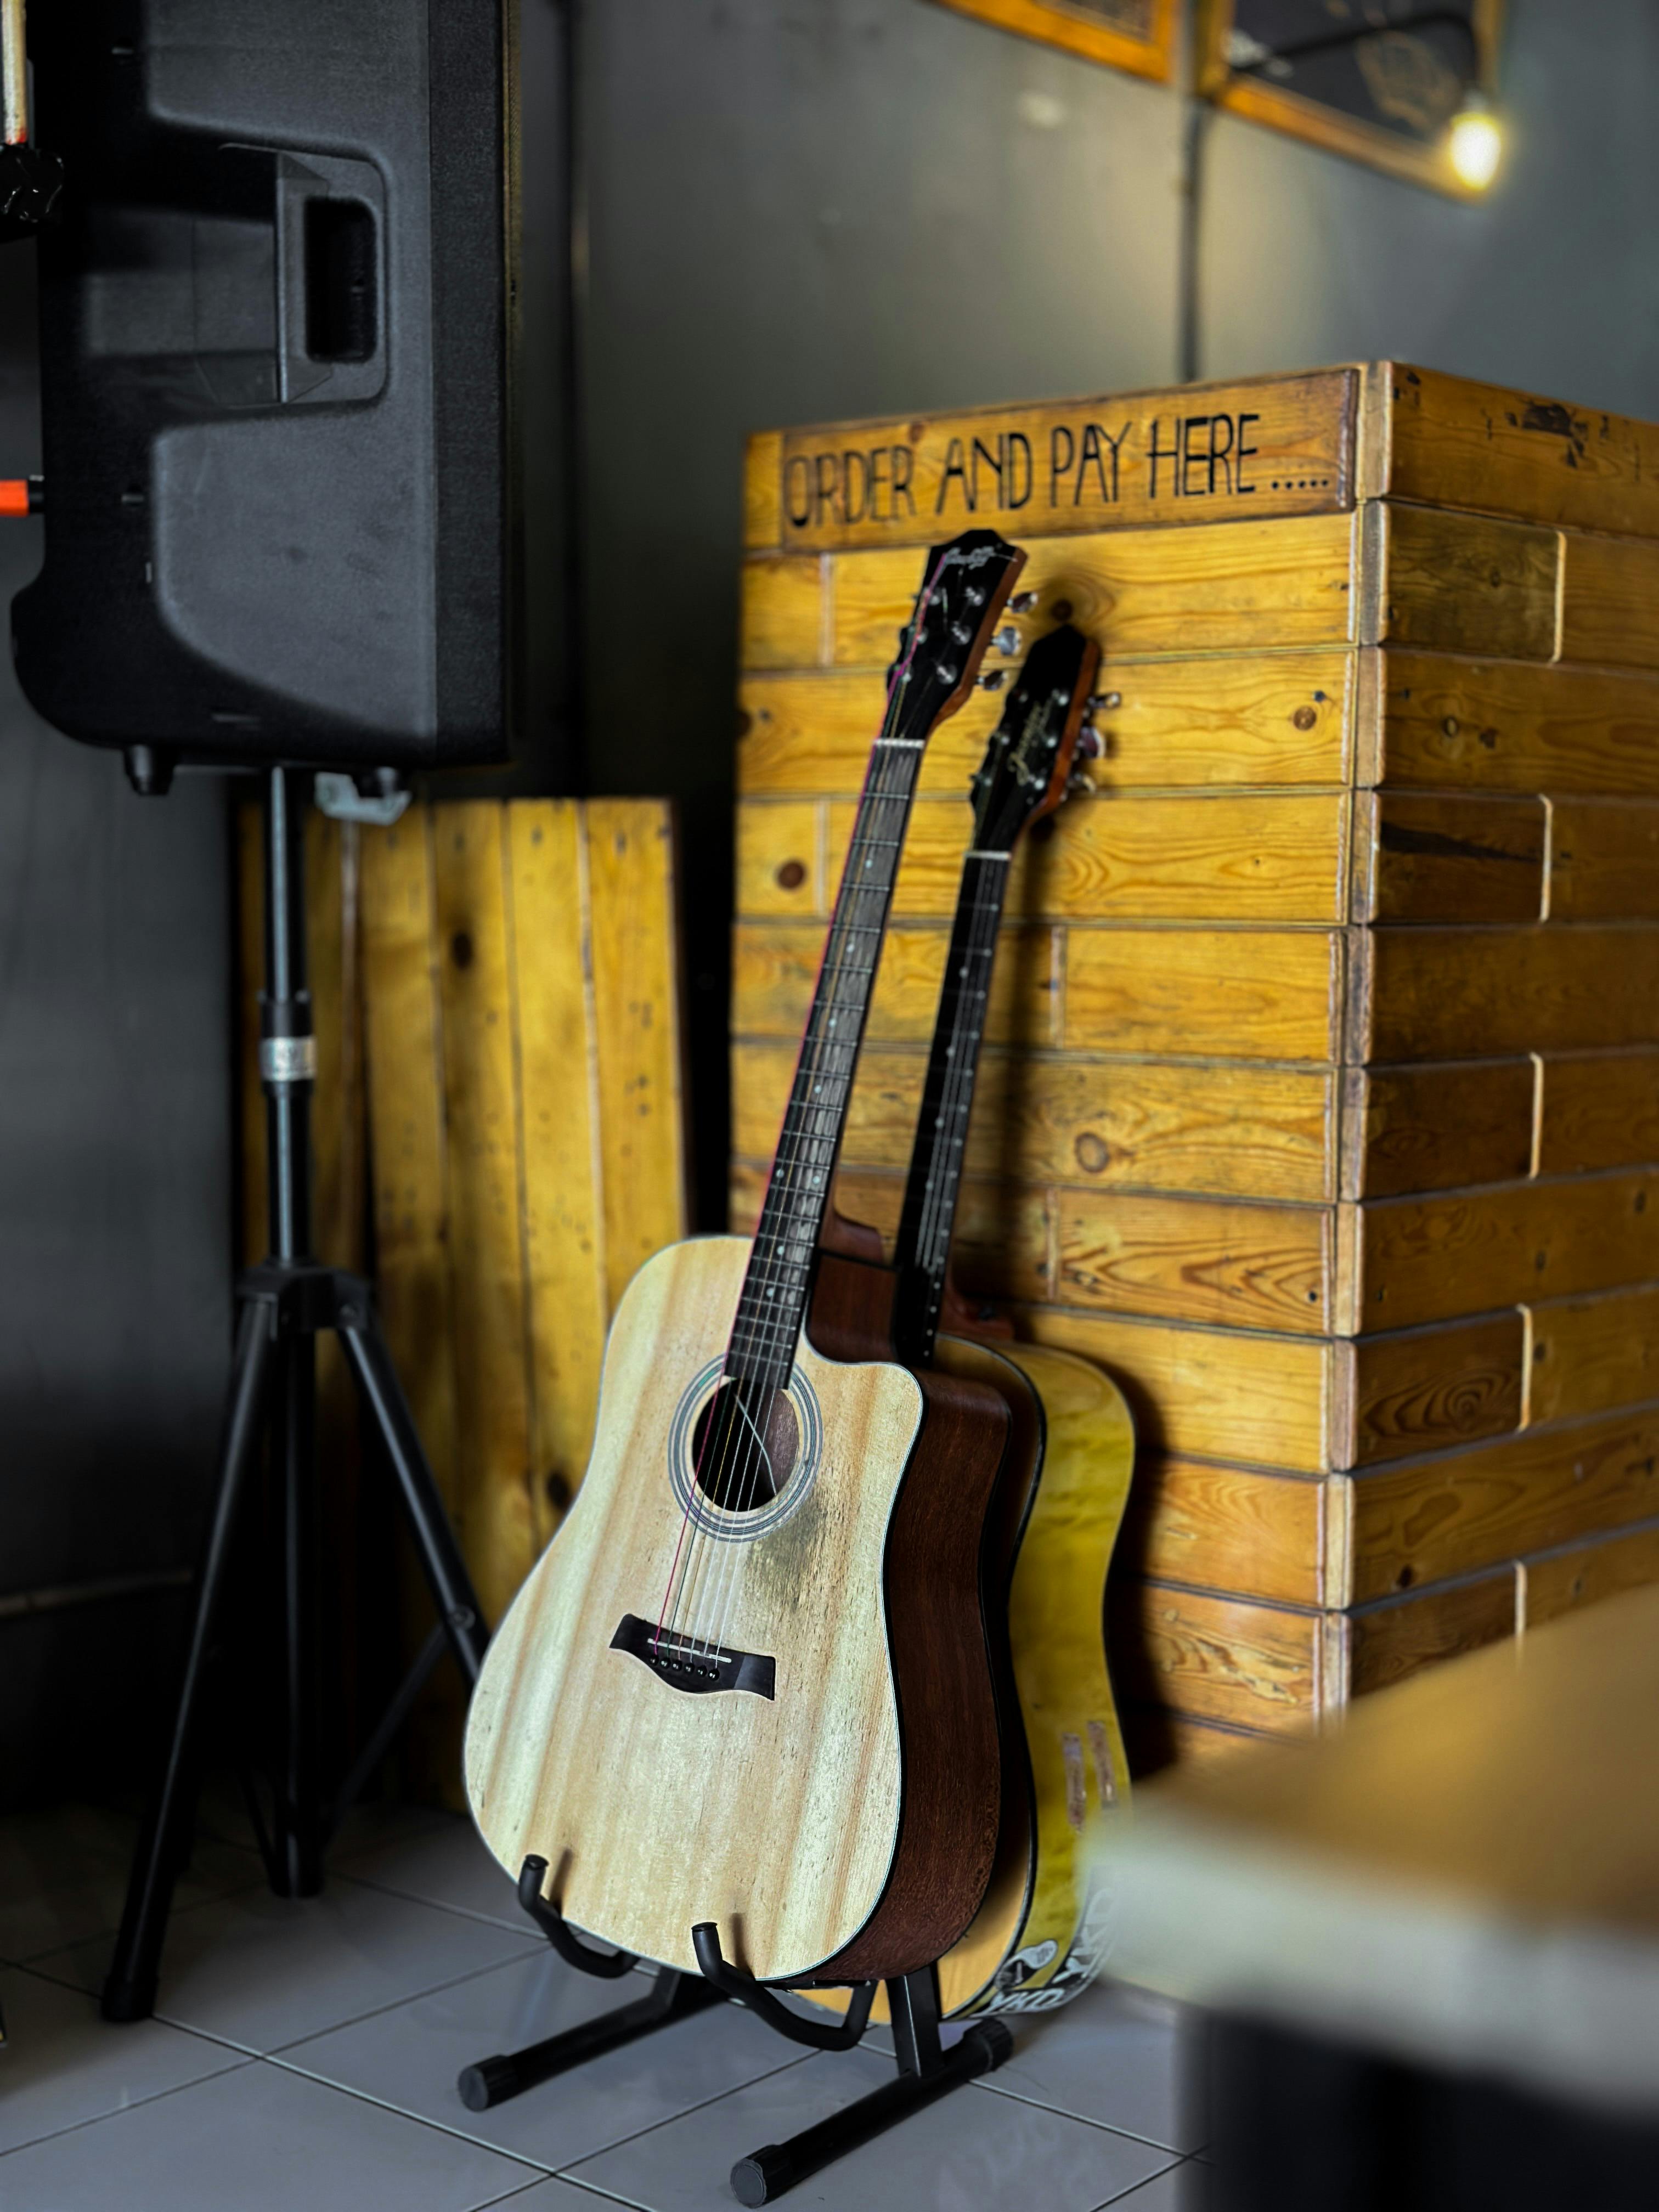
(460,949)
(557,1488)
(791,875)
(1062,611)
(1304,718)
(1093,1153)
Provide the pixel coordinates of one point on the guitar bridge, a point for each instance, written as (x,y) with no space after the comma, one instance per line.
(699,1669)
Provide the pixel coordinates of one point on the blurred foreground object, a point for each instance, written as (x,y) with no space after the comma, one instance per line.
(1433,1939)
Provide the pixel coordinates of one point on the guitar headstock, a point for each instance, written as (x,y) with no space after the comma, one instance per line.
(1029,759)
(964,588)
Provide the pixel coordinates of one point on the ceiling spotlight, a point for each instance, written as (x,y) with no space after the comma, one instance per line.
(1475,144)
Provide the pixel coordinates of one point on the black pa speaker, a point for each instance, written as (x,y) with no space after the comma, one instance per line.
(277,340)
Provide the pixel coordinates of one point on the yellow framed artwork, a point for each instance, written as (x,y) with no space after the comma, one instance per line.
(1137,35)
(1379,84)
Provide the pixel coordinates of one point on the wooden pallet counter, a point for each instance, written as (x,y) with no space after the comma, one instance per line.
(1321,1098)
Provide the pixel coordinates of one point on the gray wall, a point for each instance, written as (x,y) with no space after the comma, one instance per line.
(114,1194)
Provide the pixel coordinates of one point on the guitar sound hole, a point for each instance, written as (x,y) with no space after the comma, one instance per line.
(744,1445)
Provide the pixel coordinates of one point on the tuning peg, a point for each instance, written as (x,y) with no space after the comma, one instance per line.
(1109,700)
(1023,602)
(993,679)
(1006,641)
(1089,745)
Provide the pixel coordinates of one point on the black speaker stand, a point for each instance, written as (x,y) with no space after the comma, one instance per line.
(282,1304)
(927,2068)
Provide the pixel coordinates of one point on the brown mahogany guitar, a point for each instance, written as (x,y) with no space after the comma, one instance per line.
(748,1683)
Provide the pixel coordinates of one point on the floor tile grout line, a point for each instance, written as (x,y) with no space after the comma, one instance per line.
(440,1905)
(571,2172)
(547,2173)
(357,2019)
(1124,2195)
(100,1935)
(1106,2127)
(96,2119)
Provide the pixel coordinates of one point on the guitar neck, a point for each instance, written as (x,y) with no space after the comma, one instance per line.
(772,1309)
(935,1177)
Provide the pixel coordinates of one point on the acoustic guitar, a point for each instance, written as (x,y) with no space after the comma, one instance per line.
(1035,1940)
(749,1682)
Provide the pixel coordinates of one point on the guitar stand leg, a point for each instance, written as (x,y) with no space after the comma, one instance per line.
(926,2072)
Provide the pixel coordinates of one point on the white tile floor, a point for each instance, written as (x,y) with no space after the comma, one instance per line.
(304,2056)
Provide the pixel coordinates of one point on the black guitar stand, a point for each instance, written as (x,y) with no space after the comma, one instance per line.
(926,2070)
(282,1304)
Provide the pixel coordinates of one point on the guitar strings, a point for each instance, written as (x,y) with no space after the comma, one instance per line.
(723,1423)
(890,783)
(811,1152)
(803,1148)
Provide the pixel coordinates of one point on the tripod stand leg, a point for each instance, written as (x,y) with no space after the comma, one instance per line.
(129,1991)
(299,1842)
(434,1540)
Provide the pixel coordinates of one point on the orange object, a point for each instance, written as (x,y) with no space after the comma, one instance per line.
(14,494)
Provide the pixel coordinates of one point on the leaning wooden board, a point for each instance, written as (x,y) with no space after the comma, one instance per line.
(1323,1100)
(497,984)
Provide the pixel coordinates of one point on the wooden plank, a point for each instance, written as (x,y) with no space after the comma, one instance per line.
(1452,442)
(1158,1739)
(1375,1646)
(1206,590)
(1604,859)
(1234,1528)
(1238,1131)
(636,1029)
(1591,1355)
(1269,719)
(412,1291)
(780,619)
(762,509)
(1438,1128)
(1503,726)
(1435,994)
(1426,1520)
(1458,583)
(1567,1581)
(1246,857)
(495,1504)
(1412,1260)
(774,965)
(1609,601)
(1421,1390)
(1447,858)
(781,857)
(1273,445)
(1244,994)
(1001,1248)
(1219,1394)
(1214,1657)
(1599,1110)
(406,1118)
(1189,1259)
(567,1305)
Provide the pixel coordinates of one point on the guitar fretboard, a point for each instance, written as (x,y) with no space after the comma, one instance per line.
(935,1178)
(772,1309)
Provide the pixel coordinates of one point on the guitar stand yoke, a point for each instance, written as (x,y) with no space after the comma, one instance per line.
(927,2070)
